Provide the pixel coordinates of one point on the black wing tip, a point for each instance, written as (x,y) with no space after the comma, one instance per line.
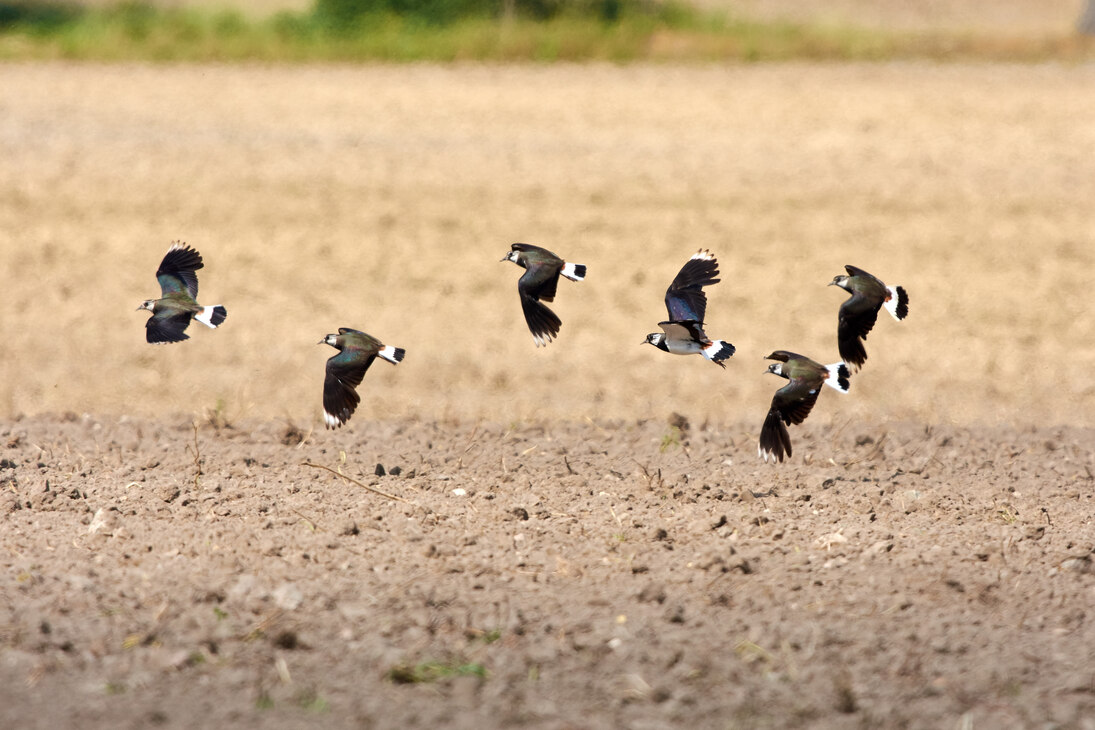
(161,330)
(339,403)
(542,322)
(180,257)
(219,315)
(775,440)
(852,352)
(398,353)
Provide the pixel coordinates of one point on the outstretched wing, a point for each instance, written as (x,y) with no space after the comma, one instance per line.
(344,373)
(684,299)
(794,401)
(542,322)
(540,281)
(857,317)
(775,441)
(176,272)
(167,326)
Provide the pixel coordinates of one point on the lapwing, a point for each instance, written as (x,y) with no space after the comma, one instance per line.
(859,312)
(356,352)
(542,270)
(686,302)
(792,403)
(172,312)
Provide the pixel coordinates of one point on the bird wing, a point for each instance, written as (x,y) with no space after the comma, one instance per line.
(856,271)
(542,322)
(539,281)
(684,331)
(344,373)
(176,272)
(684,299)
(167,326)
(857,317)
(795,400)
(775,441)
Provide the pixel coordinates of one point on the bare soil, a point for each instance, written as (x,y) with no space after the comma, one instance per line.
(614,574)
(584,536)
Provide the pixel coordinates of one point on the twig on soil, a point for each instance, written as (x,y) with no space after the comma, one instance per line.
(197,458)
(650,476)
(311,525)
(366,487)
(471,442)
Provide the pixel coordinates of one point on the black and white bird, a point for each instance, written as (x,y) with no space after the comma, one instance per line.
(356,352)
(859,312)
(172,312)
(793,402)
(686,302)
(541,277)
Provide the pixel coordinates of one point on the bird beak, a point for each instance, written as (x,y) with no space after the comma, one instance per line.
(324,340)
(503,259)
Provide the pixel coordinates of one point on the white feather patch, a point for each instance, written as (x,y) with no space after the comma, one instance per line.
(704,255)
(331,421)
(389,354)
(893,302)
(837,371)
(206,317)
(574,272)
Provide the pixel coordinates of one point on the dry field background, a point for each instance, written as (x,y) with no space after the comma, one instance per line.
(564,558)
(382,198)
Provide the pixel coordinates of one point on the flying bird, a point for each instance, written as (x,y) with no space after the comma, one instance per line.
(541,277)
(686,302)
(859,312)
(356,352)
(793,402)
(172,312)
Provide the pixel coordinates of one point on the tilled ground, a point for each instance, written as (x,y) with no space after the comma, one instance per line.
(560,574)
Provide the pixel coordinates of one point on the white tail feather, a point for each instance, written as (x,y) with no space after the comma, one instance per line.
(574,272)
(838,377)
(206,316)
(394,355)
(898,300)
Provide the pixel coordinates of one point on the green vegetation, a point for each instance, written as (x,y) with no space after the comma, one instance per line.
(454,30)
(426,672)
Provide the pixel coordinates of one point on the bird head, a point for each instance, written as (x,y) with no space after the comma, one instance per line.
(841,281)
(148,304)
(776,368)
(654,338)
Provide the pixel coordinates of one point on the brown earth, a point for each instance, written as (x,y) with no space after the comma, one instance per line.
(563,576)
(924,560)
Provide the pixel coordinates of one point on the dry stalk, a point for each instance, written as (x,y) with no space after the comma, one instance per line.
(366,487)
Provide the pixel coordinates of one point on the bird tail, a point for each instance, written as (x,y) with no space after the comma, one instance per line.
(897,303)
(718,351)
(574,272)
(394,355)
(212,316)
(839,377)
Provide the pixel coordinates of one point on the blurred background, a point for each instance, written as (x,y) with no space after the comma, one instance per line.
(381,196)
